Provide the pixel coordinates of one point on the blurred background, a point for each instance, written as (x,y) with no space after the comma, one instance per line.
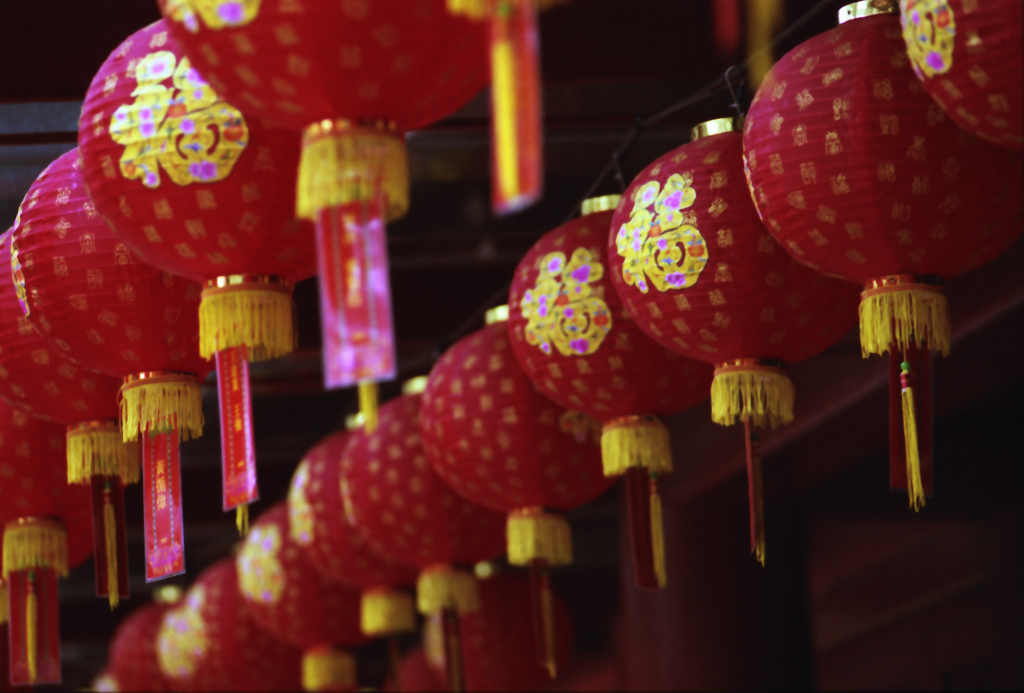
(858,591)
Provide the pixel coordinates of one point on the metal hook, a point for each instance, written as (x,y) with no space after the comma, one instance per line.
(735,101)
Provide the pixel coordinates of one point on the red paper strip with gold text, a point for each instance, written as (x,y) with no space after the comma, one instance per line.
(161,488)
(99,535)
(42,583)
(355,294)
(238,451)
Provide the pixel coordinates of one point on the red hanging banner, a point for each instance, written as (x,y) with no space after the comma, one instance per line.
(161,487)
(108,492)
(34,624)
(238,451)
(355,294)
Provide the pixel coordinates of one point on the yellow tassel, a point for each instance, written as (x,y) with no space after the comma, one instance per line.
(764,394)
(368,405)
(899,315)
(242,519)
(915,488)
(161,403)
(442,587)
(32,542)
(3,604)
(31,628)
(327,669)
(765,18)
(532,533)
(95,448)
(342,163)
(384,612)
(252,314)
(503,98)
(635,441)
(110,538)
(657,535)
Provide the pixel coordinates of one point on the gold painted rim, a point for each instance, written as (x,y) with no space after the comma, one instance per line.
(415,386)
(496,314)
(604,203)
(716,126)
(867,8)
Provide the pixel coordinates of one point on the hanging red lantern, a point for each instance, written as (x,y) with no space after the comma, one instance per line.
(133,659)
(702,276)
(210,642)
(406,512)
(105,310)
(46,533)
(969,59)
(860,175)
(195,188)
(574,339)
(352,77)
(416,675)
(337,550)
(37,380)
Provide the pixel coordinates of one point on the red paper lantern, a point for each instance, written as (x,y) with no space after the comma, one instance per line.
(211,643)
(37,380)
(576,341)
(860,175)
(46,533)
(286,596)
(352,76)
(195,188)
(969,59)
(415,675)
(336,549)
(133,658)
(702,276)
(105,310)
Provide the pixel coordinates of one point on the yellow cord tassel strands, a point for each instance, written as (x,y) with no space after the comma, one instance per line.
(899,310)
(161,401)
(915,488)
(96,448)
(635,441)
(533,534)
(368,405)
(384,612)
(3,603)
(753,389)
(35,543)
(327,669)
(110,541)
(254,311)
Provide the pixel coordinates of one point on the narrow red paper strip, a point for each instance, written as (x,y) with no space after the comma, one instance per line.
(99,536)
(238,450)
(44,584)
(638,493)
(920,361)
(161,487)
(355,294)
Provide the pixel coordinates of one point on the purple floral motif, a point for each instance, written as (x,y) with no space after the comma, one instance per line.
(203,170)
(151,179)
(546,347)
(642,285)
(676,280)
(637,243)
(555,265)
(649,194)
(569,312)
(188,126)
(674,200)
(662,244)
(147,129)
(542,308)
(581,274)
(146,114)
(231,12)
(580,346)
(935,61)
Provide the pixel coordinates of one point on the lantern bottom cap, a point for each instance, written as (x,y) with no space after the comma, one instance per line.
(385,612)
(443,587)
(761,393)
(98,449)
(901,315)
(35,543)
(635,441)
(536,535)
(161,402)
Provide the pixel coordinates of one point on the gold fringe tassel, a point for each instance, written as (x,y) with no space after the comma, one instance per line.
(484,9)
(915,488)
(368,405)
(897,316)
(162,403)
(32,542)
(532,533)
(255,315)
(96,448)
(343,163)
(384,612)
(110,539)
(327,669)
(31,629)
(242,519)
(3,604)
(504,102)
(442,587)
(657,534)
(635,441)
(764,394)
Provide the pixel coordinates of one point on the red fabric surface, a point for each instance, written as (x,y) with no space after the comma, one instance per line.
(133,659)
(402,507)
(494,438)
(210,642)
(285,594)
(750,299)
(903,191)
(326,539)
(35,378)
(34,479)
(226,207)
(100,306)
(296,63)
(969,58)
(416,676)
(627,373)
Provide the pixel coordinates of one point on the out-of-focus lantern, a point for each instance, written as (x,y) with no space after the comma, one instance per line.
(702,276)
(133,657)
(575,340)
(105,310)
(37,380)
(352,77)
(406,512)
(195,188)
(46,531)
(968,56)
(860,175)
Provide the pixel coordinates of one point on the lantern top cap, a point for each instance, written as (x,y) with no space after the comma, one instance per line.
(354,421)
(604,203)
(168,594)
(867,8)
(415,386)
(496,314)
(713,127)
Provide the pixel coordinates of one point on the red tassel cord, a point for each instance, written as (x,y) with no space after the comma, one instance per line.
(543,615)
(638,491)
(161,487)
(755,494)
(238,450)
(110,538)
(453,650)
